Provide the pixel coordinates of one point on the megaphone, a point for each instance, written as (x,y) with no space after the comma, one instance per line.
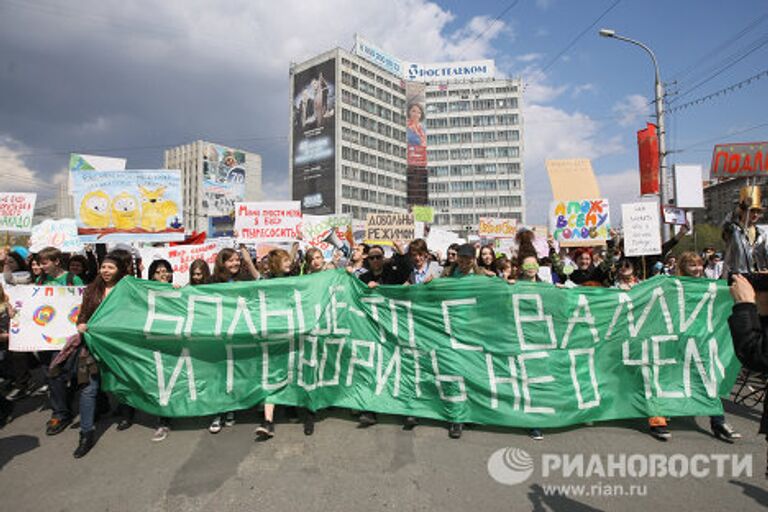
(333,239)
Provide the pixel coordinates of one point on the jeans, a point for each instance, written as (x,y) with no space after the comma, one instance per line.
(716,421)
(61,395)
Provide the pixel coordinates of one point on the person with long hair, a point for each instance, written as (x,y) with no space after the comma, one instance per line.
(6,312)
(199,272)
(315,262)
(75,364)
(280,264)
(486,260)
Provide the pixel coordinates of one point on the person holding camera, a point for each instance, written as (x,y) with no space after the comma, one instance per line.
(746,249)
(749,330)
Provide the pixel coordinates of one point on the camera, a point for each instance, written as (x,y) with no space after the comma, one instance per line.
(759,281)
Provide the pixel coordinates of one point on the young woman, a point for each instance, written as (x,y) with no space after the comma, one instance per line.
(451,254)
(34,267)
(75,362)
(690,264)
(199,273)
(230,266)
(280,265)
(83,266)
(486,261)
(625,275)
(314,261)
(6,312)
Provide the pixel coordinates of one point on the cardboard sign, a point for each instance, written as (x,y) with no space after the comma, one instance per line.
(423,213)
(580,223)
(61,234)
(383,228)
(675,216)
(329,233)
(689,186)
(128,206)
(741,159)
(493,227)
(641,229)
(16,212)
(180,257)
(45,316)
(278,221)
(572,179)
(439,240)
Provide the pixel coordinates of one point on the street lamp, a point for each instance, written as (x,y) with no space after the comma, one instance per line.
(605,32)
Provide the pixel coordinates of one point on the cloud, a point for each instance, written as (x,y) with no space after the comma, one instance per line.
(579,89)
(629,110)
(529,57)
(620,187)
(14,173)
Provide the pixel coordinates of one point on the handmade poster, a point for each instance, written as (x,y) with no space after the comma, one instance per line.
(572,179)
(689,186)
(492,227)
(80,162)
(673,215)
(384,228)
(740,159)
(180,257)
(469,350)
(278,221)
(16,211)
(128,206)
(358,231)
(580,223)
(642,235)
(61,234)
(45,316)
(329,233)
(440,239)
(423,213)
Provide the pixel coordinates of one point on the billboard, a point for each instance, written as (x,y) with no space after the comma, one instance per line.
(450,71)
(223,180)
(416,139)
(376,55)
(740,159)
(313,124)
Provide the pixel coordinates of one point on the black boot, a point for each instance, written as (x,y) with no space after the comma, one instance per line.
(87,441)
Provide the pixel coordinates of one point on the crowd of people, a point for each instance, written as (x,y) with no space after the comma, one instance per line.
(73,370)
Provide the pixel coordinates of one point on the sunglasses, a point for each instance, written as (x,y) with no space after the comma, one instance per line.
(451,253)
(375,256)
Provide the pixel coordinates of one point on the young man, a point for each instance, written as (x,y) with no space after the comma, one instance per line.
(424,270)
(53,272)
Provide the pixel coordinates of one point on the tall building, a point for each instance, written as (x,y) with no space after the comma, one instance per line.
(722,196)
(353,150)
(347,140)
(213,178)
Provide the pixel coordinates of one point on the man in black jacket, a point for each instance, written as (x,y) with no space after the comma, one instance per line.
(749,329)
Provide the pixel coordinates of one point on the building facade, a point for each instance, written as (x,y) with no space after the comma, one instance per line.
(721,198)
(349,151)
(213,178)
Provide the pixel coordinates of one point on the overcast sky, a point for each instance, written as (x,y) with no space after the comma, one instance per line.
(129,78)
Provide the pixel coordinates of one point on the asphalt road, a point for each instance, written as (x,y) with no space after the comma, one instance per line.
(345,468)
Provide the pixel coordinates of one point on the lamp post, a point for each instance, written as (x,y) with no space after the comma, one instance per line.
(659,88)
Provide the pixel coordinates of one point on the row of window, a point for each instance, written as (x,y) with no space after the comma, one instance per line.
(372,108)
(395,86)
(467,121)
(372,125)
(472,219)
(385,164)
(476,169)
(467,93)
(466,105)
(372,178)
(361,212)
(372,196)
(473,186)
(371,142)
(475,202)
(473,137)
(397,103)
(436,155)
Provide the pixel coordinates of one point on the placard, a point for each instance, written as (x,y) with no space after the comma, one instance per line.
(580,223)
(329,233)
(740,159)
(278,221)
(423,213)
(440,239)
(572,179)
(493,227)
(16,212)
(383,228)
(180,257)
(45,316)
(61,234)
(675,216)
(640,221)
(689,187)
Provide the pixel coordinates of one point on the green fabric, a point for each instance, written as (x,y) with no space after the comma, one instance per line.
(62,280)
(474,349)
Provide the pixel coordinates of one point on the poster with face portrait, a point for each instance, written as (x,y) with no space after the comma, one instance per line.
(313,151)
(45,316)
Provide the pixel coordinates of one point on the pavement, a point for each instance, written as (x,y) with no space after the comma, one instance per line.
(343,468)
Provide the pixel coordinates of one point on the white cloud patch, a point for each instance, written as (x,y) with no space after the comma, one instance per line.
(529,57)
(14,173)
(631,109)
(620,187)
(580,89)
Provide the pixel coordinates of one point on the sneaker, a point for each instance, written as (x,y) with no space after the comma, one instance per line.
(535,434)
(56,426)
(409,422)
(229,419)
(17,393)
(661,433)
(87,441)
(160,434)
(124,424)
(309,424)
(215,426)
(265,431)
(725,432)
(454,430)
(366,419)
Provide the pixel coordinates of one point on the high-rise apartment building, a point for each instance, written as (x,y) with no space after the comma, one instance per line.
(213,178)
(362,122)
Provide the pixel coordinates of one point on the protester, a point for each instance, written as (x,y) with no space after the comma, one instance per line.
(625,276)
(15,269)
(507,269)
(199,272)
(746,243)
(358,260)
(424,270)
(75,366)
(451,255)
(52,271)
(714,266)
(393,271)
(314,261)
(6,313)
(486,260)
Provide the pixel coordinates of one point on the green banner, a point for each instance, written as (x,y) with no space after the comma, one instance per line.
(473,349)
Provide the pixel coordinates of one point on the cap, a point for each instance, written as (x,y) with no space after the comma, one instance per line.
(467,250)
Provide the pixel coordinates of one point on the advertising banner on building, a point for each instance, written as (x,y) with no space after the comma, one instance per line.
(740,159)
(580,223)
(450,71)
(278,221)
(128,206)
(376,55)
(45,316)
(16,211)
(648,150)
(223,180)
(416,120)
(313,128)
